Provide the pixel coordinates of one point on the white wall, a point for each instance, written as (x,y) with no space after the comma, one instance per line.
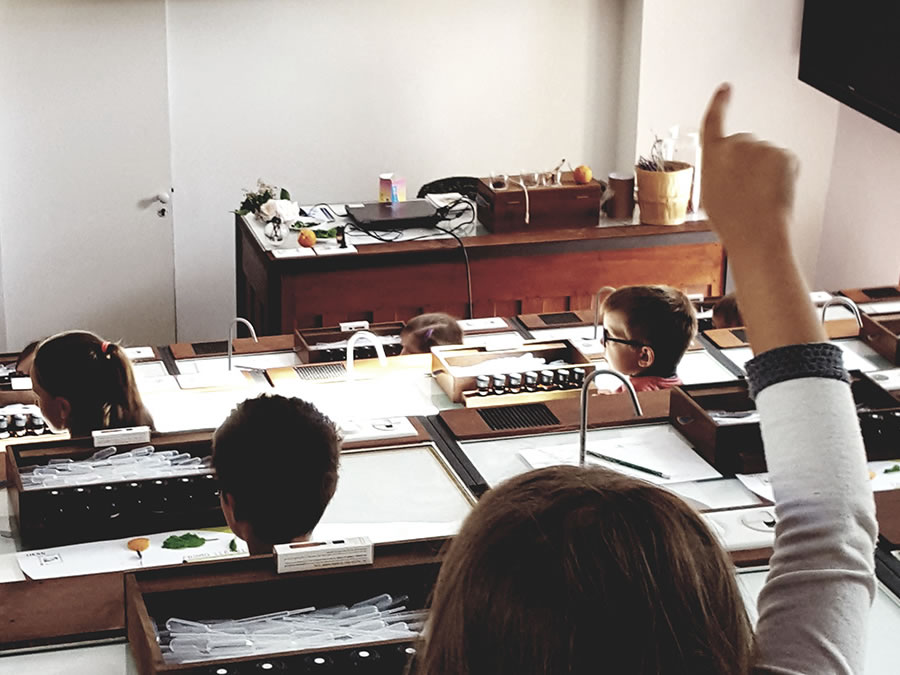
(861,235)
(689,47)
(321,97)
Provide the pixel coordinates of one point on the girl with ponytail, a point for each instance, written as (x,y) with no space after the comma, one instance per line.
(85,383)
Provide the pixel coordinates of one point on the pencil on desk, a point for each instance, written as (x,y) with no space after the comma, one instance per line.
(630,465)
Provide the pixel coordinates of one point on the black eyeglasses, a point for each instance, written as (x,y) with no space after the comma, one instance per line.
(604,338)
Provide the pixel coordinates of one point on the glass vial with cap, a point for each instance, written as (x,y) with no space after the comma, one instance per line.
(19,425)
(531,381)
(498,384)
(562,378)
(483,385)
(577,379)
(546,380)
(515,383)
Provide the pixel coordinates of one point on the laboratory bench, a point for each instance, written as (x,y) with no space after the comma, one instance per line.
(414,463)
(547,270)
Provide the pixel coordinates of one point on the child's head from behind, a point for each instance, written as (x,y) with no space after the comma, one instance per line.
(86,383)
(276,459)
(26,357)
(725,313)
(564,568)
(648,329)
(425,331)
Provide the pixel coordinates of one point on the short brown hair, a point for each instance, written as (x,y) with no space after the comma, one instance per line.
(659,316)
(278,457)
(425,331)
(726,314)
(583,570)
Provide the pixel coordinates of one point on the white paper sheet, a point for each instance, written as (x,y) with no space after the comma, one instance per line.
(878,479)
(295,252)
(889,379)
(135,353)
(660,448)
(115,556)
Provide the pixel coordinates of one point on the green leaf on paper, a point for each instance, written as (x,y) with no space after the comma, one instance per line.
(285,194)
(232,546)
(186,540)
(893,469)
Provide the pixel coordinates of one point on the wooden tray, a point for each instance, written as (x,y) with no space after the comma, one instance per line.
(882,333)
(250,586)
(305,340)
(448,360)
(737,447)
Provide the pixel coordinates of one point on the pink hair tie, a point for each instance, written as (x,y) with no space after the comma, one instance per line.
(104,346)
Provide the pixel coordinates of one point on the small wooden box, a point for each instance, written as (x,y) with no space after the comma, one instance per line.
(550,207)
(736,446)
(882,333)
(875,294)
(306,339)
(71,514)
(448,361)
(249,587)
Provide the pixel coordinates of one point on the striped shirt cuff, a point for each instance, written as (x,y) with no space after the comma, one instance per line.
(819,359)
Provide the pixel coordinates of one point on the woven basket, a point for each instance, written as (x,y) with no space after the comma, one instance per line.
(664,195)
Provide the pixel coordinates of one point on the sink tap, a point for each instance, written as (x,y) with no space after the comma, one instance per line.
(606,290)
(371,337)
(846,302)
(584,405)
(232,333)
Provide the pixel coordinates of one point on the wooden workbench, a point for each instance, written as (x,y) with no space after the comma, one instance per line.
(515,273)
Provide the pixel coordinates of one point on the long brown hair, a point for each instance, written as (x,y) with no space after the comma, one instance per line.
(95,377)
(568,570)
(425,331)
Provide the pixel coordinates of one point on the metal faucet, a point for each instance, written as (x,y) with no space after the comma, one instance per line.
(232,333)
(846,302)
(597,310)
(582,440)
(371,337)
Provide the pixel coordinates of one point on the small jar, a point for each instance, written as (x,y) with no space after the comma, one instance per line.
(515,383)
(531,381)
(577,379)
(546,380)
(498,384)
(562,378)
(483,385)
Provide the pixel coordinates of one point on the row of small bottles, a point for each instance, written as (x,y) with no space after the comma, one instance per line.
(387,660)
(22,425)
(515,383)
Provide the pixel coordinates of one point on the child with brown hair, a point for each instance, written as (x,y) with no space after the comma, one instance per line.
(725,313)
(276,460)
(576,570)
(85,383)
(425,331)
(646,331)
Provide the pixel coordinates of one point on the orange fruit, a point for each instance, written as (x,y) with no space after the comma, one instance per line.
(306,238)
(139,544)
(583,174)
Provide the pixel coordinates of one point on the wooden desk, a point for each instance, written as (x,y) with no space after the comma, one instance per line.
(515,273)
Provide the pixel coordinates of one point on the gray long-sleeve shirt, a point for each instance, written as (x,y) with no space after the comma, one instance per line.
(814,607)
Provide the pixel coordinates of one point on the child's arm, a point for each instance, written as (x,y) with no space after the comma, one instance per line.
(814,607)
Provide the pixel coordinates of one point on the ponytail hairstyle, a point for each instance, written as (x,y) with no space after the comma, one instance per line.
(95,377)
(425,331)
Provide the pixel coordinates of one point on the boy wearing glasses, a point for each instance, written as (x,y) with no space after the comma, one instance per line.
(646,331)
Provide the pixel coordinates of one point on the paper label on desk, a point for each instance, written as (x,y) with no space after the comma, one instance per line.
(20,383)
(665,453)
(820,297)
(298,252)
(137,353)
(328,248)
(98,557)
(487,323)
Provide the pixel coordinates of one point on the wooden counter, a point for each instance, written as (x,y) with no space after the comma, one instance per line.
(515,273)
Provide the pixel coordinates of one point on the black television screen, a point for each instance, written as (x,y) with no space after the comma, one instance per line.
(850,49)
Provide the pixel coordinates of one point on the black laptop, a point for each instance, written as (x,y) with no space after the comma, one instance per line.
(394,215)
